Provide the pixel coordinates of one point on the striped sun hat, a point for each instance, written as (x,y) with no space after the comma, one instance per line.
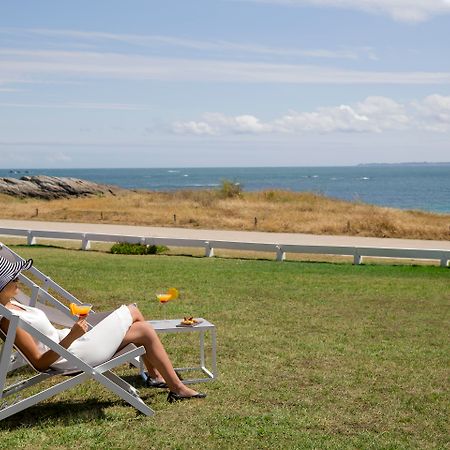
(9,270)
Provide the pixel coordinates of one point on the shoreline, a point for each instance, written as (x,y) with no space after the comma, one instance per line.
(416,187)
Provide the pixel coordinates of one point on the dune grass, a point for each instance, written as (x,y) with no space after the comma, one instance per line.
(274,211)
(311,355)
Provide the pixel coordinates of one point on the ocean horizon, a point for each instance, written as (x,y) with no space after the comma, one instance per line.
(406,186)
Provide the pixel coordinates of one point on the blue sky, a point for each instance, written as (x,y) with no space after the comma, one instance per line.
(107,83)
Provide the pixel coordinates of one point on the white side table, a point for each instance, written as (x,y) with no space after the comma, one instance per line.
(204,328)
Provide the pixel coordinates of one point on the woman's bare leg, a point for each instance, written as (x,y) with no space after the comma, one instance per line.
(137,316)
(142,333)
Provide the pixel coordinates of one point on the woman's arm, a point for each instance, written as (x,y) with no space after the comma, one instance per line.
(42,361)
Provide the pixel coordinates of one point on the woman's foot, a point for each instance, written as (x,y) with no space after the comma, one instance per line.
(183,392)
(175,397)
(155,382)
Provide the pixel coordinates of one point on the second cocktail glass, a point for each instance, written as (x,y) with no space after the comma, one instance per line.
(163,299)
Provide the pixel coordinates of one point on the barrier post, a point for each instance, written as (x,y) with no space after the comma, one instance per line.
(209,251)
(85,243)
(31,239)
(357,258)
(281,255)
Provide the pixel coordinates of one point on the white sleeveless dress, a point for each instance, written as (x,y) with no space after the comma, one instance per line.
(96,346)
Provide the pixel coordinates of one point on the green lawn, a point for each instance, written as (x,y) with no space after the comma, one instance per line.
(311,355)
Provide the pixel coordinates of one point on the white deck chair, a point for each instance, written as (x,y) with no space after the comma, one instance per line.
(58,313)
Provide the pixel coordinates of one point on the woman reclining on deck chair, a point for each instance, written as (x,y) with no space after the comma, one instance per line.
(123,326)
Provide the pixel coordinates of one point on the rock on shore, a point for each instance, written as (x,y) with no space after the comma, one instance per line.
(46,187)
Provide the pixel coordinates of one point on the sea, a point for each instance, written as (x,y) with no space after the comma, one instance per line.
(410,186)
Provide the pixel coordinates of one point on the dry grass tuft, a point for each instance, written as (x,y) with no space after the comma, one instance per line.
(274,211)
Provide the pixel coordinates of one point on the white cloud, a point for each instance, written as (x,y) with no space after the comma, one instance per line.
(385,112)
(34,64)
(434,113)
(216,123)
(239,124)
(249,124)
(373,115)
(324,120)
(411,11)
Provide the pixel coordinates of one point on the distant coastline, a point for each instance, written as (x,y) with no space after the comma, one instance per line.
(25,171)
(409,164)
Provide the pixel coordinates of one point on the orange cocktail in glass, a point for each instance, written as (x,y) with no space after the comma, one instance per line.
(171,294)
(80,310)
(164,298)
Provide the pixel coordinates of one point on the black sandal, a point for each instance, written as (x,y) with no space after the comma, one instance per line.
(150,382)
(174,397)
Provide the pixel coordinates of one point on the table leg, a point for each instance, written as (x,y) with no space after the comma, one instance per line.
(202,349)
(213,353)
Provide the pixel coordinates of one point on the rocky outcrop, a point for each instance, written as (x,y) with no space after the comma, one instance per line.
(42,186)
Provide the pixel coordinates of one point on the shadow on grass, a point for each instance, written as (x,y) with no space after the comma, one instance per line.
(40,246)
(187,255)
(68,412)
(57,247)
(63,412)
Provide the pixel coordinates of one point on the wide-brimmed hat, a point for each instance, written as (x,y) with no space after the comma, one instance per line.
(9,270)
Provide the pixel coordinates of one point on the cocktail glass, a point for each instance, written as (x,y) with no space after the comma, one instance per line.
(80,310)
(163,300)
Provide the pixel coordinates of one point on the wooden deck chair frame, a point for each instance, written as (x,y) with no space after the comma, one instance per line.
(11,358)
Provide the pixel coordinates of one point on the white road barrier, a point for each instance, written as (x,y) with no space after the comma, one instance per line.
(280,250)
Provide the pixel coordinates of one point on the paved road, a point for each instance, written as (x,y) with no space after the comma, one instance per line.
(223,235)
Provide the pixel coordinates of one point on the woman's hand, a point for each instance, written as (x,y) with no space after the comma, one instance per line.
(79,328)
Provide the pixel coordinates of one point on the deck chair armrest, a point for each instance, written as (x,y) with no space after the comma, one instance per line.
(5,312)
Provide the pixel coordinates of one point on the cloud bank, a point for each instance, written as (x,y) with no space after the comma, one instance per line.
(373,115)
